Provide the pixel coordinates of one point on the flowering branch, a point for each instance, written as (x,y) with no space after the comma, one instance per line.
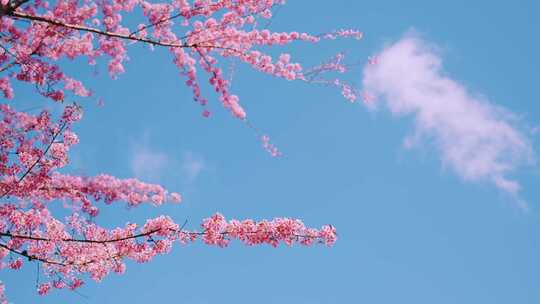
(35,37)
(113,34)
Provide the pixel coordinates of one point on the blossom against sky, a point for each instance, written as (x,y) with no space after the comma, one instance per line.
(410,229)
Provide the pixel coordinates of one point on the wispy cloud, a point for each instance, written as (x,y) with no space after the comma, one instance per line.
(147,164)
(153,165)
(477,139)
(192,166)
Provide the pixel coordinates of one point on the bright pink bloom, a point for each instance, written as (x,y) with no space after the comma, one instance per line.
(43,289)
(39,35)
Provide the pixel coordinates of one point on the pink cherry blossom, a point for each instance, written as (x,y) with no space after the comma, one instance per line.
(38,39)
(209,33)
(3,299)
(43,289)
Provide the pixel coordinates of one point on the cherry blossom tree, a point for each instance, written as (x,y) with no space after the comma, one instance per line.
(201,35)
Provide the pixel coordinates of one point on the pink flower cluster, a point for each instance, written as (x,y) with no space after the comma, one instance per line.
(335,64)
(106,188)
(36,37)
(68,250)
(271,148)
(3,299)
(34,147)
(196,33)
(218,231)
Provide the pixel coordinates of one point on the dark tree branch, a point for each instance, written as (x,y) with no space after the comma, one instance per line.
(83,28)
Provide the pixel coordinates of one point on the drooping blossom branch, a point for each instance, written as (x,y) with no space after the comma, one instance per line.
(207,30)
(201,36)
(32,150)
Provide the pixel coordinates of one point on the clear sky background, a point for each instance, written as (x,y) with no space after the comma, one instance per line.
(410,229)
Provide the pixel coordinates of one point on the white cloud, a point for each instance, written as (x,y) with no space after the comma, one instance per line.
(152,165)
(192,166)
(148,165)
(477,139)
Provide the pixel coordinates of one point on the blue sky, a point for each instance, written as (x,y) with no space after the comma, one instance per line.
(410,229)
